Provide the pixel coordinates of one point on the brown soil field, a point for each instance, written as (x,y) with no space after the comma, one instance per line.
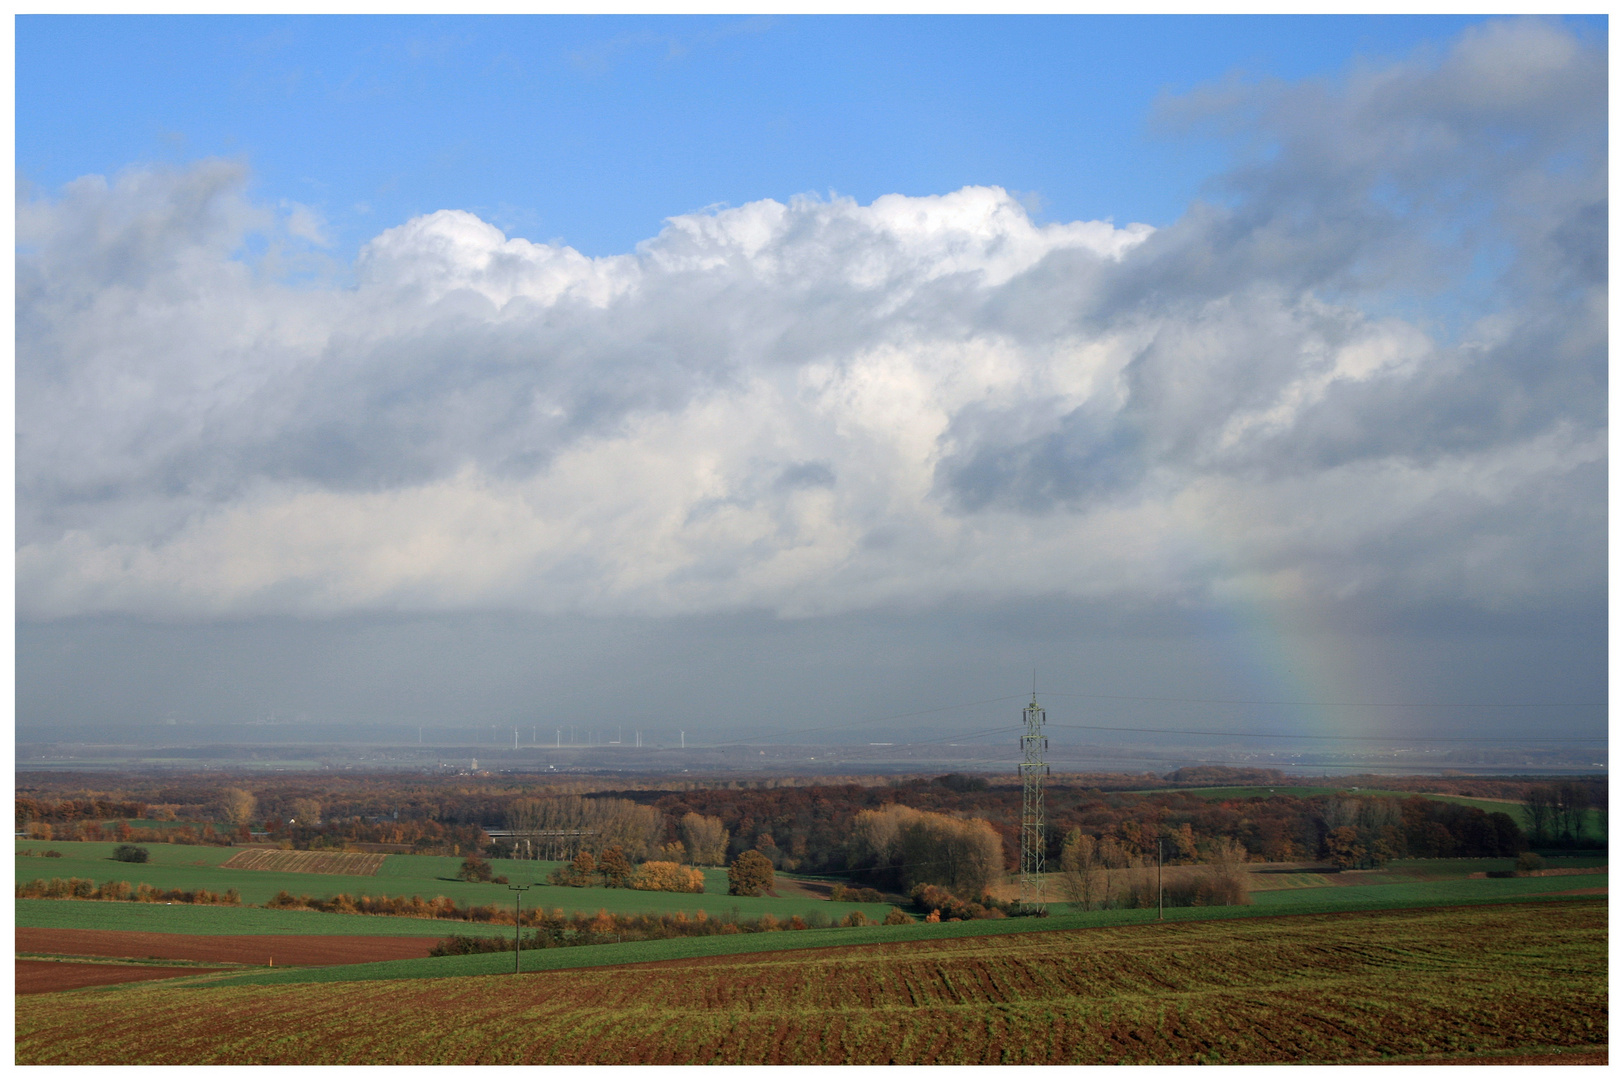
(1467,983)
(51,976)
(353,863)
(1576,1057)
(290,949)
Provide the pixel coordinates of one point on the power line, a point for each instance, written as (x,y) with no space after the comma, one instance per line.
(1359,738)
(1348,704)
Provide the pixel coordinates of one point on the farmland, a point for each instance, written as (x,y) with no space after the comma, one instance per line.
(350,863)
(181,920)
(1452,981)
(176,866)
(1328,964)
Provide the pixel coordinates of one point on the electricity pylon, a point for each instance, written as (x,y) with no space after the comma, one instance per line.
(1033,840)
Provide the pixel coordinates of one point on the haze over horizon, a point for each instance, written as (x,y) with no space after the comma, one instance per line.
(751,377)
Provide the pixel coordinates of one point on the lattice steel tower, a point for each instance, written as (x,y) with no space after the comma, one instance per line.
(1033,840)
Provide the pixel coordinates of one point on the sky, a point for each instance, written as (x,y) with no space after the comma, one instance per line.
(749,375)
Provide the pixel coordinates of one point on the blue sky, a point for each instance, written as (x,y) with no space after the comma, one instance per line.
(594,129)
(1226,359)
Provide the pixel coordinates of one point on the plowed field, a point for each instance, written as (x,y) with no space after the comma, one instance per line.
(292,949)
(1431,983)
(351,863)
(50,976)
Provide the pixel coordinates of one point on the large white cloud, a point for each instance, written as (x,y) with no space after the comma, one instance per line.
(1373,366)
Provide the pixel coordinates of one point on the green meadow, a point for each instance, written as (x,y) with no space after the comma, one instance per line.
(207,919)
(178,866)
(1062,917)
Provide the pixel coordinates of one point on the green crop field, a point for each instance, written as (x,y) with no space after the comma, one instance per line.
(176,866)
(182,919)
(207,919)
(1442,983)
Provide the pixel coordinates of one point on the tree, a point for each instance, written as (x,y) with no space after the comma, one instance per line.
(306,811)
(130,853)
(914,846)
(239,805)
(474,869)
(1343,848)
(615,867)
(583,869)
(1539,810)
(705,839)
(750,875)
(526,818)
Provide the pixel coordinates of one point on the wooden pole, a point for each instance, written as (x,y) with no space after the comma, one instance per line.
(518,920)
(1160,892)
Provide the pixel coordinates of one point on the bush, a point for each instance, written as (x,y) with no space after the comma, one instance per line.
(897,917)
(1529,861)
(579,873)
(474,869)
(86,889)
(933,898)
(750,875)
(131,853)
(666,877)
(852,895)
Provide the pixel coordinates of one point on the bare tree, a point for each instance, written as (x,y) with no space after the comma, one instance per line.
(239,805)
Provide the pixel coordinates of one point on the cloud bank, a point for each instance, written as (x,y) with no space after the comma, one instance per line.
(1370,367)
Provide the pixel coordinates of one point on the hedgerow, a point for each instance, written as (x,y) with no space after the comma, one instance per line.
(555,930)
(86,889)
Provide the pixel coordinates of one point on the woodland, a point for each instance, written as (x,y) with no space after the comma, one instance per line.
(867,832)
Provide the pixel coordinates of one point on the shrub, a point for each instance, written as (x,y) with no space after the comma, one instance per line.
(666,877)
(1529,861)
(86,889)
(853,895)
(935,899)
(131,853)
(579,873)
(897,917)
(857,918)
(750,875)
(474,869)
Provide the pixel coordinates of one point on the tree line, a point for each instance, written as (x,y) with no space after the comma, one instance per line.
(810,827)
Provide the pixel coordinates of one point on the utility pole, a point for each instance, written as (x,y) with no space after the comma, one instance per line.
(1033,829)
(518,918)
(684,740)
(1160,893)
